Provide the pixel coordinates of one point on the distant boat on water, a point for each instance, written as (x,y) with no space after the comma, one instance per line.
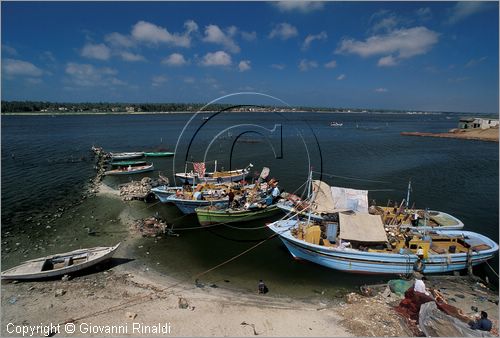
(60,264)
(336,124)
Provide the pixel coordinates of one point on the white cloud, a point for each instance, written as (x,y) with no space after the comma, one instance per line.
(305,65)
(9,50)
(189,79)
(341,77)
(150,33)
(278,66)
(424,13)
(119,40)
(96,51)
(387,61)
(464,9)
(386,24)
(381,90)
(244,65)
(283,31)
(127,56)
(219,58)
(405,42)
(159,80)
(175,60)
(297,5)
(215,35)
(86,75)
(249,36)
(475,62)
(310,38)
(13,67)
(331,64)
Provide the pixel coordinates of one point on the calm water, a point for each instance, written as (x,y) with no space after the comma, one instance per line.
(46,161)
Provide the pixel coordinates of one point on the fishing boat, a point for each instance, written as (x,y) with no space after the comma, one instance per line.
(187,203)
(214,215)
(359,243)
(130,170)
(159,154)
(330,199)
(336,124)
(164,191)
(60,264)
(215,176)
(126,156)
(127,163)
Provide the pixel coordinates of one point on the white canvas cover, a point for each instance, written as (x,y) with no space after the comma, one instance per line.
(362,228)
(350,199)
(328,199)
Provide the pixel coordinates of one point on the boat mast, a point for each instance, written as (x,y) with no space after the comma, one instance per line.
(215,169)
(408,194)
(309,195)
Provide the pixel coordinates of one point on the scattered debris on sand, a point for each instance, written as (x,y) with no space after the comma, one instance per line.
(140,190)
(151,227)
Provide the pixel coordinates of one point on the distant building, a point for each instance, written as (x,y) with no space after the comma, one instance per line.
(130,109)
(477,123)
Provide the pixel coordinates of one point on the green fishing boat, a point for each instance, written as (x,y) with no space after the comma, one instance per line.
(211,215)
(159,154)
(127,163)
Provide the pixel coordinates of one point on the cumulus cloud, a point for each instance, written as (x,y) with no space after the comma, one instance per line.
(14,67)
(331,64)
(464,9)
(305,65)
(127,56)
(96,51)
(249,36)
(283,31)
(175,60)
(119,40)
(87,75)
(159,80)
(278,66)
(341,77)
(297,5)
(215,35)
(387,61)
(310,38)
(219,58)
(405,43)
(244,65)
(381,90)
(147,32)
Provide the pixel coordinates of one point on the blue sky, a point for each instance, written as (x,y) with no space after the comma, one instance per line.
(401,55)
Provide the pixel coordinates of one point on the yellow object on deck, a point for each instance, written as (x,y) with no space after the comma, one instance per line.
(313,234)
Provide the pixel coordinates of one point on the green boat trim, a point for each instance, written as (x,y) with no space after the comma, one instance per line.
(127,163)
(207,216)
(159,154)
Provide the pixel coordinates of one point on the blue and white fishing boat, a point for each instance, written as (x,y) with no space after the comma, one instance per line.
(358,243)
(188,204)
(164,191)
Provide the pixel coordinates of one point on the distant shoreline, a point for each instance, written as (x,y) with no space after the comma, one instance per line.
(204,112)
(490,135)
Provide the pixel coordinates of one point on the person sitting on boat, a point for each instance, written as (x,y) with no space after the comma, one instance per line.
(129,168)
(275,193)
(408,237)
(420,253)
(231,196)
(414,220)
(483,323)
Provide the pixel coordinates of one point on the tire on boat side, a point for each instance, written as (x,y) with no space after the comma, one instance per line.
(150,198)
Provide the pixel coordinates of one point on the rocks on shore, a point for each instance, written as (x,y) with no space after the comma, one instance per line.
(151,227)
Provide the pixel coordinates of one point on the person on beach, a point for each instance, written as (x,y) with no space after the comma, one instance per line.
(483,323)
(262,287)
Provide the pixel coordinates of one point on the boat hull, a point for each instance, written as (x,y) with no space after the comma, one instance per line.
(134,170)
(206,217)
(127,163)
(163,192)
(126,156)
(11,274)
(159,154)
(356,261)
(189,206)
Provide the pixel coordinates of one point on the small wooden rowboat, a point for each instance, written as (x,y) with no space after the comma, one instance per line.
(127,163)
(212,215)
(60,264)
(159,154)
(126,156)
(130,170)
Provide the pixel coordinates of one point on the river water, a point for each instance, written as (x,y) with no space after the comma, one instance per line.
(46,163)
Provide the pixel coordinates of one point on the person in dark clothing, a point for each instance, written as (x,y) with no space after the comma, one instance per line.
(483,324)
(262,287)
(408,237)
(231,197)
